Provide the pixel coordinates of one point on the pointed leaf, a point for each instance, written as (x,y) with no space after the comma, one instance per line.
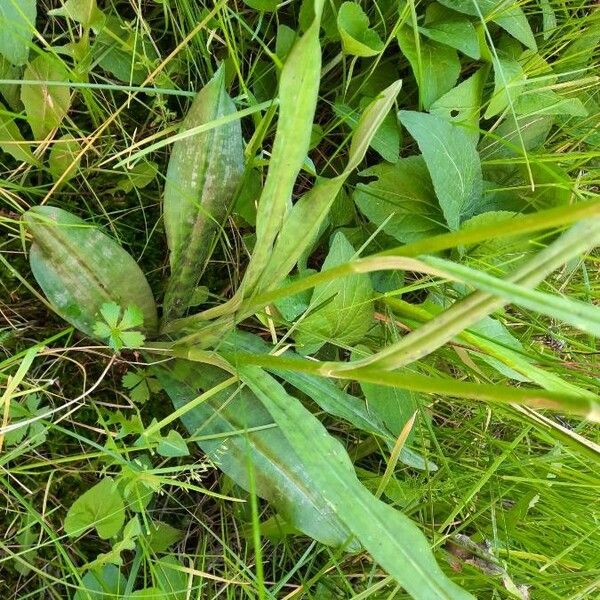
(204,171)
(453,163)
(348,313)
(401,199)
(233,430)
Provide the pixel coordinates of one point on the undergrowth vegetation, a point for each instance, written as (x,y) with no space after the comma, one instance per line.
(299,299)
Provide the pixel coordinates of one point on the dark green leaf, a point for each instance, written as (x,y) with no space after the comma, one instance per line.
(402,199)
(347,314)
(452,161)
(435,67)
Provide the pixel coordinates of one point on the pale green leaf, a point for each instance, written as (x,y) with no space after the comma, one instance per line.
(85,12)
(100,507)
(111,312)
(265,5)
(46,105)
(392,539)
(132,317)
(357,38)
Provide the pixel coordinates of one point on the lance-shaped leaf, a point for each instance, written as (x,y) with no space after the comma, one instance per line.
(391,537)
(232,427)
(302,224)
(298,92)
(203,174)
(79,268)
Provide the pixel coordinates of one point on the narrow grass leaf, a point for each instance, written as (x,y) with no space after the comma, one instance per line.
(585,317)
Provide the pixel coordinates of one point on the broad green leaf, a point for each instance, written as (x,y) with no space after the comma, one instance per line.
(347,313)
(102,584)
(142,174)
(80,269)
(357,38)
(203,174)
(452,29)
(548,102)
(173,445)
(101,507)
(453,163)
(11,140)
(46,105)
(233,429)
(266,5)
(171,577)
(462,104)
(435,67)
(85,12)
(392,539)
(64,158)
(506,13)
(509,79)
(162,535)
(514,136)
(401,199)
(17,26)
